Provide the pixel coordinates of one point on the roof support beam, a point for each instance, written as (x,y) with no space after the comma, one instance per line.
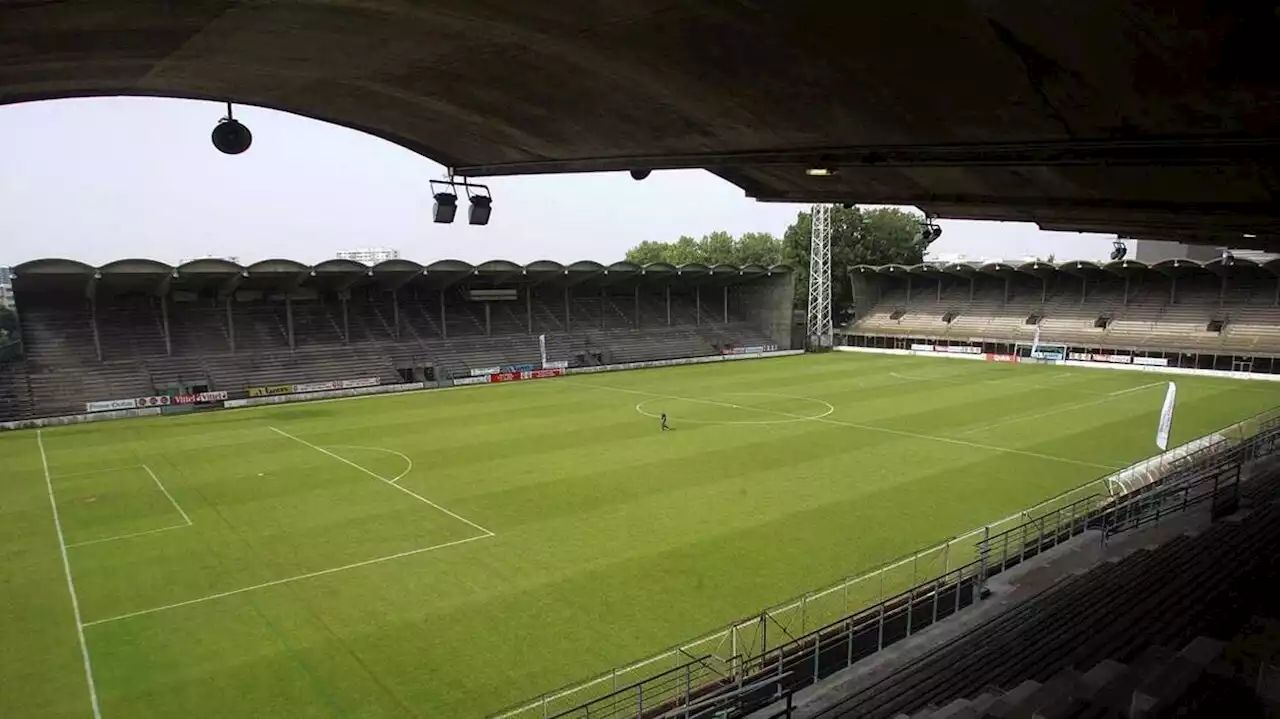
(1158,152)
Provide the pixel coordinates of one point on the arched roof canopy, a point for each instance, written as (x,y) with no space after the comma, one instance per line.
(961,269)
(54,275)
(336,275)
(1234,267)
(278,275)
(1127,268)
(1038,268)
(134,275)
(926,269)
(1178,268)
(1081,268)
(998,269)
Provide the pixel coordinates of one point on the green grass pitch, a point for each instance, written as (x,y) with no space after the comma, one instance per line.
(449,553)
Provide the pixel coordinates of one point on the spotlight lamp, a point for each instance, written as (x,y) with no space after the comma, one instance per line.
(639,173)
(230,136)
(929,231)
(445,208)
(1118,250)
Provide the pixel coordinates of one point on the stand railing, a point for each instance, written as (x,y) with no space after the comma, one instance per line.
(751,663)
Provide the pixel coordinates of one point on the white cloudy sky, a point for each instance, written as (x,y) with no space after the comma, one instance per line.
(102,179)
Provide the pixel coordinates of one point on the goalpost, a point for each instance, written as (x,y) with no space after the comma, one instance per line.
(1040,351)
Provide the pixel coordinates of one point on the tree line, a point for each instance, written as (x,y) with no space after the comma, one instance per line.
(880,236)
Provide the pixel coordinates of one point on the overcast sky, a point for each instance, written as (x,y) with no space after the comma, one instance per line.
(107,178)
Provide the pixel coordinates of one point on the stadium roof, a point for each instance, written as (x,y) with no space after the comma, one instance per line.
(141,275)
(1148,119)
(1222,267)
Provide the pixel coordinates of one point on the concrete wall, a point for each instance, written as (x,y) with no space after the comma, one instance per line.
(768,302)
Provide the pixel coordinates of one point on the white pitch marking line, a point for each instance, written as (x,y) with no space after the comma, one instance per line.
(172,501)
(870,428)
(287,580)
(126,536)
(104,470)
(398,477)
(409,492)
(71,583)
(1117,393)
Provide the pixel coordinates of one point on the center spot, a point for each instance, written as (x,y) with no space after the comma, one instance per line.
(736,408)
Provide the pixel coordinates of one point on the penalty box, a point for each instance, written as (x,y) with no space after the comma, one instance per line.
(370,520)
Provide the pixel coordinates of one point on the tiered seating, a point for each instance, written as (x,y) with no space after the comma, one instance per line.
(1147,319)
(1117,611)
(250,344)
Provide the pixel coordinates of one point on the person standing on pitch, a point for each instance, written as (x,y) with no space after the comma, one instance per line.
(664,422)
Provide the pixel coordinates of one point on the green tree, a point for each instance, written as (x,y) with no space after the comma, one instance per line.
(713,249)
(858,237)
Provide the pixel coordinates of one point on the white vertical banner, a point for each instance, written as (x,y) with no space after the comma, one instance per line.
(1035,341)
(1166,417)
(542,347)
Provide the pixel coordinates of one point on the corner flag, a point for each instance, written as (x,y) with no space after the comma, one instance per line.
(1166,417)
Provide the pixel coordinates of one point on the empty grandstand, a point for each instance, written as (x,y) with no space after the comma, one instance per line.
(1223,314)
(135,328)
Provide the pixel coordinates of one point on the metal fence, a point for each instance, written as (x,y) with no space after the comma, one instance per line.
(801,641)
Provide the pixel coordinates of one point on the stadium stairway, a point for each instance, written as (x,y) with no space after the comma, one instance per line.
(1058,642)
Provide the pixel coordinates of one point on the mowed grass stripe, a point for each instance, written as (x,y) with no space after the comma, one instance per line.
(613,540)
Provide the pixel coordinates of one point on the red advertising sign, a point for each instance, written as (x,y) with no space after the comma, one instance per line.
(1002,358)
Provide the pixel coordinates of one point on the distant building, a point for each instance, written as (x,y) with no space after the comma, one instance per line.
(369,255)
(232,259)
(6,287)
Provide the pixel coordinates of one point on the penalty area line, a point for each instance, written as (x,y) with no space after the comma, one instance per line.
(71,582)
(382,479)
(286,580)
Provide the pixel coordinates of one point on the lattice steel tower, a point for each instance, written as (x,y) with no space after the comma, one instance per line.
(819,326)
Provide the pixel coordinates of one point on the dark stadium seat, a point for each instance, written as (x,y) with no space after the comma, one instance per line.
(1122,611)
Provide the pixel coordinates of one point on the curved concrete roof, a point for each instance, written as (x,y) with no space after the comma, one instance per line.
(1217,266)
(345,273)
(1148,119)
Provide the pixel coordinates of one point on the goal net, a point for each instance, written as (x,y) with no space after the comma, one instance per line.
(1041,351)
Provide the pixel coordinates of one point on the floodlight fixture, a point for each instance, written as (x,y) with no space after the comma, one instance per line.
(230,136)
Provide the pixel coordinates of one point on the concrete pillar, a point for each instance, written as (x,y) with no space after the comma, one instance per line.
(1173,291)
(697,304)
(93,324)
(288,320)
(488,320)
(528,306)
(231,326)
(637,305)
(603,309)
(566,309)
(164,324)
(395,315)
(669,302)
(444,331)
(726,304)
(346,322)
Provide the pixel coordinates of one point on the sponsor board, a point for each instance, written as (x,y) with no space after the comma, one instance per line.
(485,371)
(1113,359)
(159,401)
(111,405)
(561,364)
(337,384)
(201,398)
(1003,358)
(271,391)
(921,348)
(1151,361)
(361,382)
(471,380)
(754,349)
(1050,355)
(959,350)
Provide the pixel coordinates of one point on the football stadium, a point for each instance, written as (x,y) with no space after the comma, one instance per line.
(383,548)
(836,473)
